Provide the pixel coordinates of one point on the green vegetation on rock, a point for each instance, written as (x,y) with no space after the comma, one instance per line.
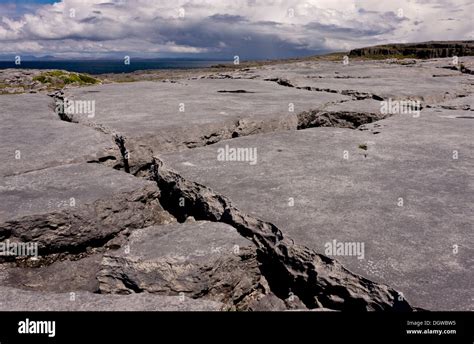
(58,78)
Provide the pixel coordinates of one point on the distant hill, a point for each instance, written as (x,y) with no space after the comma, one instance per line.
(424,50)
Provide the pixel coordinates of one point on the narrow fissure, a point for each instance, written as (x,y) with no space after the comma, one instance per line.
(120,142)
(356,95)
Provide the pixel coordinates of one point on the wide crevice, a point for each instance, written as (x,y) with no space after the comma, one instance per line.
(337,119)
(319,281)
(242,128)
(356,95)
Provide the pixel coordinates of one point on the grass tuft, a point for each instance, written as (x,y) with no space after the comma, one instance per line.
(58,78)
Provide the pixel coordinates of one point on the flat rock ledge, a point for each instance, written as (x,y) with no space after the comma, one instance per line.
(12,299)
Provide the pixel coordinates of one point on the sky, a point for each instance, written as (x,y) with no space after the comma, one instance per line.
(222,29)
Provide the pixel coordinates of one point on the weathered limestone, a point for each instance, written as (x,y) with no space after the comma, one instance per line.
(51,195)
(290,269)
(324,184)
(21,300)
(396,186)
(72,207)
(163,116)
(430,81)
(198,259)
(62,276)
(34,139)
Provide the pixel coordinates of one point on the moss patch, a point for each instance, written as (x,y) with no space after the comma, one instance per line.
(58,78)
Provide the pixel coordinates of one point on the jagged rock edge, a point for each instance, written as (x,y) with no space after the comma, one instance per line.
(317,280)
(297,266)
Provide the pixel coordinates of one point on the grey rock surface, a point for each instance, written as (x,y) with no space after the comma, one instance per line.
(430,81)
(72,207)
(62,276)
(18,81)
(197,259)
(49,192)
(157,117)
(151,108)
(14,81)
(21,300)
(291,270)
(303,184)
(398,184)
(33,138)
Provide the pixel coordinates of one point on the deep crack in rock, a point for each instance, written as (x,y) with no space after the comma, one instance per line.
(317,280)
(337,119)
(120,141)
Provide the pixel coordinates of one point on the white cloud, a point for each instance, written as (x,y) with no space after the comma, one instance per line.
(249,28)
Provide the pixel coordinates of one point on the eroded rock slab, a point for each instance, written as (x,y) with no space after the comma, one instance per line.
(33,137)
(51,195)
(405,194)
(429,81)
(61,276)
(291,269)
(143,108)
(198,259)
(460,103)
(72,207)
(398,189)
(26,301)
(350,114)
(158,117)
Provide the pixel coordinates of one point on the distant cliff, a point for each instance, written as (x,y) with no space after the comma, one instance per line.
(423,50)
